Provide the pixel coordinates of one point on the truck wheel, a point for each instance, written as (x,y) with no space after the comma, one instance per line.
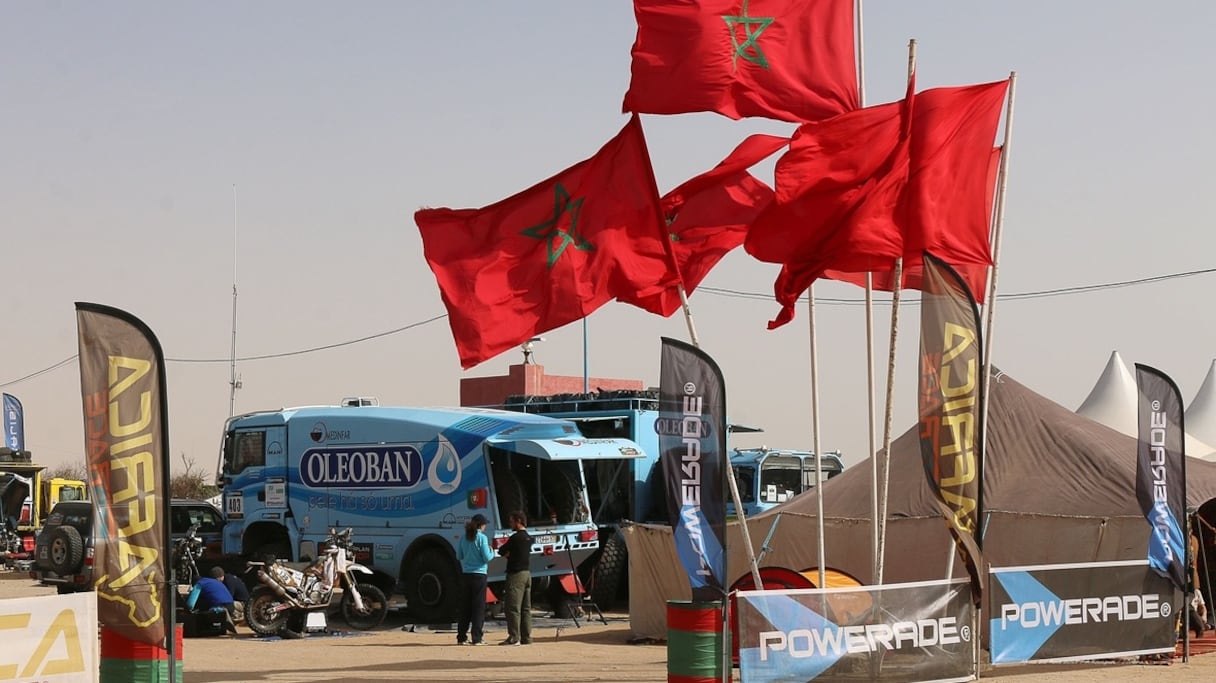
(560,493)
(66,550)
(432,592)
(510,492)
(611,572)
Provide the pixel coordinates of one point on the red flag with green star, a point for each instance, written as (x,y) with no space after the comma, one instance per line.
(791,60)
(553,253)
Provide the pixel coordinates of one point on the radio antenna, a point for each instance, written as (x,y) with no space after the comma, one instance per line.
(234,382)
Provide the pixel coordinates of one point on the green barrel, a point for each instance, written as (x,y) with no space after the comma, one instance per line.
(126,661)
(694,642)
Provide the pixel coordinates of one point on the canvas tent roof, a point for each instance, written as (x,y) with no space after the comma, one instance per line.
(1057,488)
(1201,413)
(1113,402)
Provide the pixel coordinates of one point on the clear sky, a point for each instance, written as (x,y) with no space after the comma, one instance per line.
(124,127)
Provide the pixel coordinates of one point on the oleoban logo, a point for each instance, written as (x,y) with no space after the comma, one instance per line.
(361,466)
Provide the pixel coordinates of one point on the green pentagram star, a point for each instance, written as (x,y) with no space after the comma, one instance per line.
(752,28)
(557,235)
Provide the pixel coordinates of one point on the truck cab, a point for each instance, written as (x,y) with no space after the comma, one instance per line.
(769,477)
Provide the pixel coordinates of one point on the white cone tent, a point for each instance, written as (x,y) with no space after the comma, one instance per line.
(1201,413)
(1113,402)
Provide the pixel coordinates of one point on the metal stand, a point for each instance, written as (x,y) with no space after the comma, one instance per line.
(584,599)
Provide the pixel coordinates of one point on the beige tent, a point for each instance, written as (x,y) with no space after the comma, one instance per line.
(1058,488)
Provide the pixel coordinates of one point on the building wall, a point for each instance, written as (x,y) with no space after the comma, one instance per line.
(531,379)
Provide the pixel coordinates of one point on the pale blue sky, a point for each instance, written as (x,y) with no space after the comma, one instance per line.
(125,125)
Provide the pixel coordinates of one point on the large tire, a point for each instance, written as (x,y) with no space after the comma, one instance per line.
(432,587)
(66,550)
(510,492)
(374,603)
(560,493)
(611,572)
(260,612)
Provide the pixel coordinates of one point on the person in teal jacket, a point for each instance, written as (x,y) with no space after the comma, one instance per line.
(474,554)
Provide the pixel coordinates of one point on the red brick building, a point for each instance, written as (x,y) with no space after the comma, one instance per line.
(530,379)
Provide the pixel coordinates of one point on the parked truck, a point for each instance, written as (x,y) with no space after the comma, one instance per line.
(407,480)
(768,477)
(27,498)
(633,490)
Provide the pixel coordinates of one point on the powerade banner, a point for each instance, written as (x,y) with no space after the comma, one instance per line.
(693,394)
(897,632)
(1161,471)
(122,378)
(1070,612)
(14,423)
(950,396)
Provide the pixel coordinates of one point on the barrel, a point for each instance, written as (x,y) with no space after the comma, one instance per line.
(694,642)
(124,660)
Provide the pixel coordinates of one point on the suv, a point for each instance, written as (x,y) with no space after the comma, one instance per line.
(63,552)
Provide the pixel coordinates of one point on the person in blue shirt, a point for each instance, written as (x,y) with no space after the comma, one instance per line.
(474,554)
(240,594)
(211,594)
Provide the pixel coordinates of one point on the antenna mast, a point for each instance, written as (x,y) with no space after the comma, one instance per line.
(234,382)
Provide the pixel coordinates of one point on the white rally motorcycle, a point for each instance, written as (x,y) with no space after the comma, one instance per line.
(287,592)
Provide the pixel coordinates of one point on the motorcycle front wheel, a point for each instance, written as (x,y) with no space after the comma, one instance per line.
(262,613)
(375,607)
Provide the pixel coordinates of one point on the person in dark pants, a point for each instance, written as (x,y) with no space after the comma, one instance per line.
(518,599)
(474,554)
(211,594)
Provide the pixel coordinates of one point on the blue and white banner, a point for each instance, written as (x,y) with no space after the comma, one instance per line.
(899,632)
(1071,612)
(14,423)
(692,394)
(1161,471)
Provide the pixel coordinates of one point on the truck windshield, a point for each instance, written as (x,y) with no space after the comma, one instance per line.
(243,450)
(745,479)
(780,478)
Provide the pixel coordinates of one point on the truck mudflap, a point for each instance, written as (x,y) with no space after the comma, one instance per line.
(575,448)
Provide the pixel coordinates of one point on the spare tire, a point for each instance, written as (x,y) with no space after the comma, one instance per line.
(65,550)
(611,574)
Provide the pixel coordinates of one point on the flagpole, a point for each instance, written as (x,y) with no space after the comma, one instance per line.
(870,416)
(586,371)
(692,329)
(998,223)
(810,307)
(896,286)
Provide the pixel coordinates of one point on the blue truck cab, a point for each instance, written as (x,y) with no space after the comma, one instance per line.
(406,480)
(768,477)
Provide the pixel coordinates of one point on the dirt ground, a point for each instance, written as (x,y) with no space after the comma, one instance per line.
(561,653)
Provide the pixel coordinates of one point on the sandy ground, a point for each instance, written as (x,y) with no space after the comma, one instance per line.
(561,653)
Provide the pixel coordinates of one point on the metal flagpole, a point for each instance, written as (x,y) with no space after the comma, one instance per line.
(896,286)
(998,222)
(586,375)
(810,306)
(870,434)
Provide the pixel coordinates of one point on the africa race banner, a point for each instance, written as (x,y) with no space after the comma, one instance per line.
(122,378)
(692,394)
(900,632)
(1070,612)
(950,397)
(14,423)
(1161,471)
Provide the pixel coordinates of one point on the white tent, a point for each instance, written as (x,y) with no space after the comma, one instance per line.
(1114,402)
(1201,414)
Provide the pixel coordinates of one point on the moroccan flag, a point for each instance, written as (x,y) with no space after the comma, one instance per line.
(976,276)
(126,434)
(950,398)
(553,253)
(707,216)
(692,394)
(791,60)
(1161,472)
(838,192)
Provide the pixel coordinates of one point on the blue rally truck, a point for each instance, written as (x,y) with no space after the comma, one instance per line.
(406,480)
(768,477)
